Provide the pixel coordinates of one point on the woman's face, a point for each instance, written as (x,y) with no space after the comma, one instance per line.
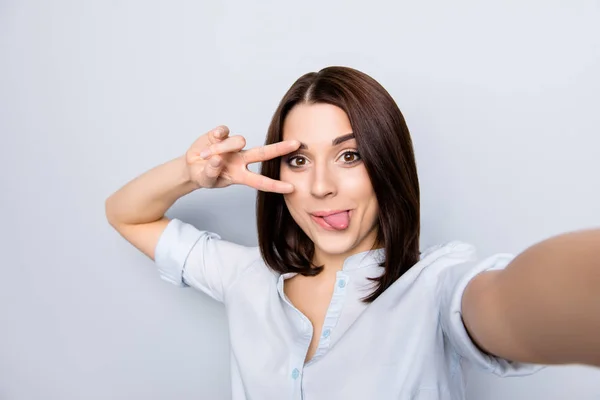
(329,177)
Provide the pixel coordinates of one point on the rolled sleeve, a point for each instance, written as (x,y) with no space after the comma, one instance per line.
(453,286)
(173,249)
(186,256)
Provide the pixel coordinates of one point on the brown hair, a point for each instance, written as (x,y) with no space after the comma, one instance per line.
(386,149)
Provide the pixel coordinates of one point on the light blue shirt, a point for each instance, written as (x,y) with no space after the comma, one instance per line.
(408,344)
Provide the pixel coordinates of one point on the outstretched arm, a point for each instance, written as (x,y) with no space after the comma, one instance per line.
(544,307)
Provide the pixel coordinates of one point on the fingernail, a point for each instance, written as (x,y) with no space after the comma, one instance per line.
(215,162)
(204,153)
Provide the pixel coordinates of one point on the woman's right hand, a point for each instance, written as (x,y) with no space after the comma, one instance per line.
(216,160)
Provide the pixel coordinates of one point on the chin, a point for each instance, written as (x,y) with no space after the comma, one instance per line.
(335,245)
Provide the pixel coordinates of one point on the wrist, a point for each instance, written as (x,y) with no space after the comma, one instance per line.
(186,178)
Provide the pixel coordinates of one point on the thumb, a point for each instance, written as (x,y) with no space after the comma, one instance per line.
(212,170)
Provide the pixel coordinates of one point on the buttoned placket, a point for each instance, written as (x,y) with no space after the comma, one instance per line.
(303,324)
(331,317)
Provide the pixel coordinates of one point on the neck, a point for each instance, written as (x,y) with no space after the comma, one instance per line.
(333,262)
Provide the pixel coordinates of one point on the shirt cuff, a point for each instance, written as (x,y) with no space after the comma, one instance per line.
(173,248)
(465,346)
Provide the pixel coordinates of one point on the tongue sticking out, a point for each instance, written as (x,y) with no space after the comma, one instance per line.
(339,220)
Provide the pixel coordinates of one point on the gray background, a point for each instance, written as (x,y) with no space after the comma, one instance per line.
(501,99)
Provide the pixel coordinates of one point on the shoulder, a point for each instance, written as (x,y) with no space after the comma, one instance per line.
(454,265)
(447,261)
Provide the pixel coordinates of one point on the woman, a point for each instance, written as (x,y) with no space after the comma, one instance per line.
(337,301)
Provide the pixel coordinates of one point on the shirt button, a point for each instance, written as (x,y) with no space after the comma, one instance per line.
(295,373)
(342,284)
(326,333)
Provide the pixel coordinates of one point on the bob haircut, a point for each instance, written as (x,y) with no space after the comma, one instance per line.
(386,149)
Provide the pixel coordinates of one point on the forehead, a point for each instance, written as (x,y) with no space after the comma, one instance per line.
(315,123)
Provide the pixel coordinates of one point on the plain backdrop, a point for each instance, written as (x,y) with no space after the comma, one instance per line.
(502,100)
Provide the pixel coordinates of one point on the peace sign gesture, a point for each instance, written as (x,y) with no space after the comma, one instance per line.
(216,160)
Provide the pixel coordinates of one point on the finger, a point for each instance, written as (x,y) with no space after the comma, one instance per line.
(213,136)
(232,144)
(212,170)
(261,182)
(218,134)
(271,151)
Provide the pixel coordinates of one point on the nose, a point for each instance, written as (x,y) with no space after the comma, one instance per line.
(323,182)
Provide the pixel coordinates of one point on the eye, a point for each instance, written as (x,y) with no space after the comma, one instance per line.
(350,157)
(299,161)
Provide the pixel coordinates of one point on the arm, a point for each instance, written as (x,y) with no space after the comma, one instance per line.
(185,255)
(137,209)
(544,307)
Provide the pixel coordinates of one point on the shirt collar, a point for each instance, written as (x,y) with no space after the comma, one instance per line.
(364,259)
(355,261)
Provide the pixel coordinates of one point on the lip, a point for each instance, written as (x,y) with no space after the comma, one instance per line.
(326,213)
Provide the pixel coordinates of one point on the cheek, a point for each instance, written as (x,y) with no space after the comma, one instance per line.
(375,212)
(293,200)
(294,207)
(289,201)
(293,204)
(357,184)
(300,181)
(286,175)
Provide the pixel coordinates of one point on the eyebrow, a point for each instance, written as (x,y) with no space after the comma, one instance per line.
(334,142)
